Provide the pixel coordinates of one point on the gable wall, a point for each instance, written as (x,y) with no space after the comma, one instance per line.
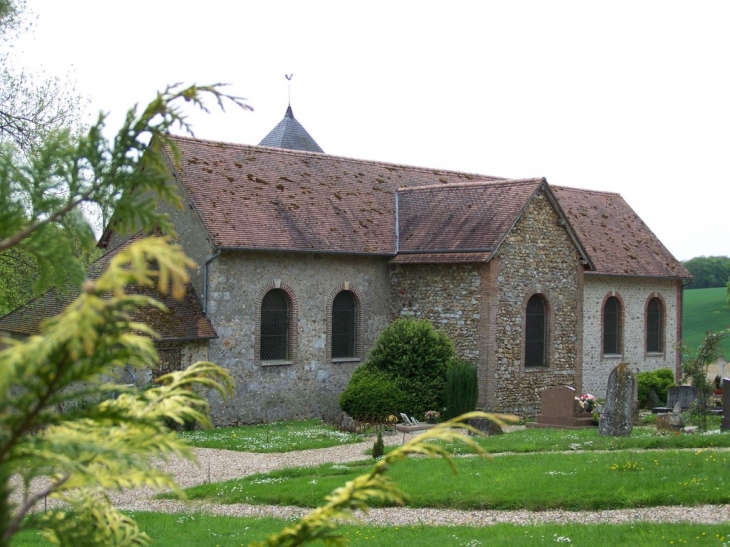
(537,256)
(633,293)
(311,385)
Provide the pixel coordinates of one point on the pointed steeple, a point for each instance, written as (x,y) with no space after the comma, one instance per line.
(289,133)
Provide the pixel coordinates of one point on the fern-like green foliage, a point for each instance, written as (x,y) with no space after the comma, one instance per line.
(321,524)
(102,445)
(112,433)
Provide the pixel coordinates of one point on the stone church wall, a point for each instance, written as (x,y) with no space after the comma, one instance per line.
(311,384)
(633,294)
(537,257)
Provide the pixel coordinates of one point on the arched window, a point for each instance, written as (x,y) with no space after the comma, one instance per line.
(536,332)
(612,326)
(344,325)
(275,326)
(654,326)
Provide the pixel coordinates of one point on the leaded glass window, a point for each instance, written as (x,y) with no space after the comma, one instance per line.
(275,326)
(611,326)
(536,333)
(344,325)
(654,326)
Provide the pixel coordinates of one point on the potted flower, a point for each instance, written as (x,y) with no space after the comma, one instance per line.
(588,402)
(432,417)
(718,385)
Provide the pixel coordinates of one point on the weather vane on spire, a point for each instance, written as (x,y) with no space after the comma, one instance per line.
(289,77)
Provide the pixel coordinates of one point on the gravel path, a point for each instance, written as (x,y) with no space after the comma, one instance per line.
(219,465)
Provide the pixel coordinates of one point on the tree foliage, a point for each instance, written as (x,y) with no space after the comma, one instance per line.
(45,430)
(413,356)
(695,366)
(708,271)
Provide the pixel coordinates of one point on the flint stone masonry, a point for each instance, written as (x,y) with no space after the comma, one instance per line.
(617,416)
(537,257)
(633,294)
(312,384)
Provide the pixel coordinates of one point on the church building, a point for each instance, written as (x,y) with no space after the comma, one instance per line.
(304,257)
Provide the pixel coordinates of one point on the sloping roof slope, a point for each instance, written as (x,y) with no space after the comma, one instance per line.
(289,133)
(466,222)
(251,197)
(616,239)
(184,320)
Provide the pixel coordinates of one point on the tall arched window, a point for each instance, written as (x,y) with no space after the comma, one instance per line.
(612,326)
(654,326)
(275,326)
(536,332)
(344,325)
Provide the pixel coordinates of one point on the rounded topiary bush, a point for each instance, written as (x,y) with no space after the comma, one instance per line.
(409,357)
(372,394)
(659,381)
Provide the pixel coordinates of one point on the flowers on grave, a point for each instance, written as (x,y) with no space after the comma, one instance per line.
(392,419)
(432,416)
(587,401)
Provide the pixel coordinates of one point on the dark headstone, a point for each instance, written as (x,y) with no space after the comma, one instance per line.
(617,416)
(725,426)
(559,408)
(488,427)
(684,395)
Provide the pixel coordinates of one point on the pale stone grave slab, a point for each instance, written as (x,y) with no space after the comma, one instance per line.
(684,395)
(617,415)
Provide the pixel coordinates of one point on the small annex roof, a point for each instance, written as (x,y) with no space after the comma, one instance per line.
(290,134)
(463,222)
(183,321)
(616,239)
(261,198)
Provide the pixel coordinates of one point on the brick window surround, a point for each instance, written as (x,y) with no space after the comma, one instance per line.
(536,339)
(359,314)
(655,320)
(293,332)
(612,319)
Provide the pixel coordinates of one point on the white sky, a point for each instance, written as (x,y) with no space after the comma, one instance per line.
(624,96)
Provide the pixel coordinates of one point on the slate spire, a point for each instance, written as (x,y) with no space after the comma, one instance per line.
(289,133)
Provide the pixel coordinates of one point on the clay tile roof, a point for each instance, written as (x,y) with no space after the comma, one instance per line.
(461,220)
(252,197)
(184,321)
(616,239)
(289,133)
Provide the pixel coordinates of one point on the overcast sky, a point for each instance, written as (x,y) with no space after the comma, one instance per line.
(623,96)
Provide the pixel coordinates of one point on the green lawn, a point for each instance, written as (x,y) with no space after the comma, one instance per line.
(704,310)
(210,531)
(537,482)
(276,437)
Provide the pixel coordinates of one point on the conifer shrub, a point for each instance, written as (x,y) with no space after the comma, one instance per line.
(659,381)
(378,446)
(405,372)
(462,389)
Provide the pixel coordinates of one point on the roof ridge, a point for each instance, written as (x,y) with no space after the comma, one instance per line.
(319,155)
(471,184)
(585,190)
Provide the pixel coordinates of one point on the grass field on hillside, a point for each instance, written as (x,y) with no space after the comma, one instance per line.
(705,310)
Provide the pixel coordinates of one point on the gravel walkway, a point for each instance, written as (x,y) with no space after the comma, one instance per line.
(220,465)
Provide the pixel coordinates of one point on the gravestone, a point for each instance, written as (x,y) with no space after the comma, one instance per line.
(488,427)
(617,416)
(684,395)
(725,425)
(673,421)
(558,409)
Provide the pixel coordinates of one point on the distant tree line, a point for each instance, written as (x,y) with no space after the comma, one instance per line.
(708,271)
